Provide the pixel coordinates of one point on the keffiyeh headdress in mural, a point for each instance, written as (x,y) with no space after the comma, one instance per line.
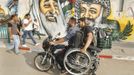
(105,3)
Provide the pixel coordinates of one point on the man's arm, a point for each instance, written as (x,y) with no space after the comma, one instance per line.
(66,38)
(59,41)
(25,25)
(18,32)
(29,21)
(88,41)
(36,24)
(10,32)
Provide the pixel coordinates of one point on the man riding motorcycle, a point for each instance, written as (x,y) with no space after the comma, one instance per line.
(71,30)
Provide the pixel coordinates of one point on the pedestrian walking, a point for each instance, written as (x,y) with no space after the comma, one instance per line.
(27,30)
(14,32)
(36,28)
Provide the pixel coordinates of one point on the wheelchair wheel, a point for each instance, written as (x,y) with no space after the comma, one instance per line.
(77,63)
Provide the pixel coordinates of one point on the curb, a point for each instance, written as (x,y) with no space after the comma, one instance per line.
(117,57)
(105,56)
(24,48)
(2,44)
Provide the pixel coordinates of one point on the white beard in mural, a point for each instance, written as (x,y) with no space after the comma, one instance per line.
(50,19)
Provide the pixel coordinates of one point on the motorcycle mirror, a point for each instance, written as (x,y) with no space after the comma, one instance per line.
(59,33)
(49,36)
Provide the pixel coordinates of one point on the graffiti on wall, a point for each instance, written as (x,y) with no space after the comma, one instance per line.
(53,15)
(2,12)
(12,6)
(99,11)
(122,11)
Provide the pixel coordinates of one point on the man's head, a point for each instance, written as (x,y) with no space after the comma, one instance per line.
(85,21)
(15,1)
(92,8)
(27,16)
(35,20)
(82,22)
(14,17)
(72,22)
(50,9)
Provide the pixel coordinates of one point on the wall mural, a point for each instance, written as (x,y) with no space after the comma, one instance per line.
(122,11)
(49,15)
(54,14)
(12,6)
(2,12)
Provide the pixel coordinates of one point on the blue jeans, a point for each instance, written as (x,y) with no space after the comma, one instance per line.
(16,43)
(30,35)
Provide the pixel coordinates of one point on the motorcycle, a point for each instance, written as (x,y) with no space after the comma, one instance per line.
(75,62)
(44,60)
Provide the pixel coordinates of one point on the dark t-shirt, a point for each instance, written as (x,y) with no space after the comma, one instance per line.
(13,28)
(86,30)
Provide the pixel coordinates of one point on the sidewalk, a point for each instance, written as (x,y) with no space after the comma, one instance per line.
(29,43)
(2,44)
(120,50)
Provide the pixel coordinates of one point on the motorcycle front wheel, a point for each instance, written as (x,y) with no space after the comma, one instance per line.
(43,62)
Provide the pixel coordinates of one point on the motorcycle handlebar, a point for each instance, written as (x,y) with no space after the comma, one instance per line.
(51,38)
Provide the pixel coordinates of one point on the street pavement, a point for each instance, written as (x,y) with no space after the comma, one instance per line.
(12,64)
(115,67)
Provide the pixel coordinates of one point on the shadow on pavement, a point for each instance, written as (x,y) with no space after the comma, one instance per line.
(29,58)
(127,44)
